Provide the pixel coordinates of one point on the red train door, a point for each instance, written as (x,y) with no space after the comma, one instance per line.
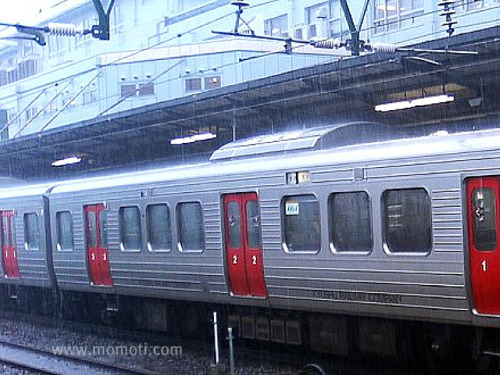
(243,245)
(97,247)
(483,207)
(9,252)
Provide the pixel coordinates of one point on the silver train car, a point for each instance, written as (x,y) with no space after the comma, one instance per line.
(298,237)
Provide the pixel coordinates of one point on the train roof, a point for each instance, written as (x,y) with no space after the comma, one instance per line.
(320,138)
(24,190)
(439,144)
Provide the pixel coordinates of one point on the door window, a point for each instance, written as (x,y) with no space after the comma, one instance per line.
(485,222)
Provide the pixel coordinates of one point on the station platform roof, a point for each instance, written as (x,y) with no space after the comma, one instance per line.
(346,89)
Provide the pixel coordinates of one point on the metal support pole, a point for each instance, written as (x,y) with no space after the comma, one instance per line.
(101,31)
(230,337)
(216,338)
(355,47)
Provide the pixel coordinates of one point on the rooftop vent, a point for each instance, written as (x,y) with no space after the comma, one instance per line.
(306,139)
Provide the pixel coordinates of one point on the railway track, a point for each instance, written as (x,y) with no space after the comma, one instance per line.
(47,362)
(281,362)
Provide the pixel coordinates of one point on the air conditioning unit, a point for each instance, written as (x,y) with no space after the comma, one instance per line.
(300,32)
(12,75)
(312,31)
(27,68)
(319,30)
(321,13)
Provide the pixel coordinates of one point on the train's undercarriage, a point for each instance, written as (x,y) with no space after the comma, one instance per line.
(435,347)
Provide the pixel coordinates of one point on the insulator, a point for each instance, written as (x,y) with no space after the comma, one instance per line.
(67,29)
(449,23)
(383,47)
(447,13)
(328,44)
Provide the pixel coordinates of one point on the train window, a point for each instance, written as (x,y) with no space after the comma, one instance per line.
(130,228)
(190,227)
(234,225)
(159,229)
(92,229)
(103,222)
(484,224)
(6,239)
(350,222)
(407,221)
(31,232)
(253,225)
(64,222)
(302,227)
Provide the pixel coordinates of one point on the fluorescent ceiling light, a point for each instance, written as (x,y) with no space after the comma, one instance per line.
(193,138)
(393,106)
(406,104)
(67,161)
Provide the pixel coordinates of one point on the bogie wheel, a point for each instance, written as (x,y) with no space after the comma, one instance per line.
(312,369)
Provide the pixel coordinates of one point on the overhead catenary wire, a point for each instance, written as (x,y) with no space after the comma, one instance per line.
(376,46)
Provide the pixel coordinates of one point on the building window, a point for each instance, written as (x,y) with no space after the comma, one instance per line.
(407,221)
(337,24)
(205,83)
(190,227)
(324,20)
(141,89)
(277,26)
(317,17)
(193,84)
(89,96)
(118,24)
(470,5)
(30,113)
(350,222)
(302,225)
(31,232)
(146,89)
(51,107)
(395,14)
(213,82)
(64,222)
(474,4)
(159,229)
(127,90)
(130,228)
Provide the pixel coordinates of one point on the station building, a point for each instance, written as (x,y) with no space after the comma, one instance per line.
(163,57)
